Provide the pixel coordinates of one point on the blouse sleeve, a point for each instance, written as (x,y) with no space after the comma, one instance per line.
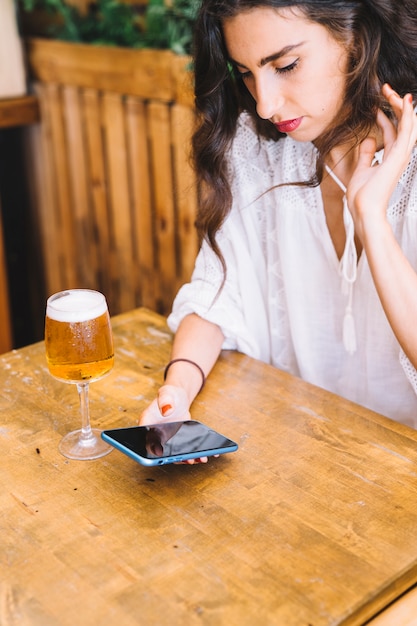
(409,370)
(238,304)
(219,303)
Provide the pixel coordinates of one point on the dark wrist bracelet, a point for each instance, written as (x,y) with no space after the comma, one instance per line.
(203,376)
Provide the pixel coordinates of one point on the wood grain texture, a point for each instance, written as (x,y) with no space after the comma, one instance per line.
(147,287)
(141,73)
(114,194)
(162,173)
(19,111)
(312,520)
(183,120)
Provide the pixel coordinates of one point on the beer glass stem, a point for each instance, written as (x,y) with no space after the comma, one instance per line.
(86,432)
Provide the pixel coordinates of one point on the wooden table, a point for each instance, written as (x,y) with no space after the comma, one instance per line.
(312,522)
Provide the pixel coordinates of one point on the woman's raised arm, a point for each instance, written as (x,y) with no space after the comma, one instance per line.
(368,195)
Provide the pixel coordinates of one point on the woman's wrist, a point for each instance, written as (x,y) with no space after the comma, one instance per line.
(375,232)
(190,362)
(185,373)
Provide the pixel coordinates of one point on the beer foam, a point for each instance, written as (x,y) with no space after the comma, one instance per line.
(76,305)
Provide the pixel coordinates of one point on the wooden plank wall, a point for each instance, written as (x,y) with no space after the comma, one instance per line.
(115,195)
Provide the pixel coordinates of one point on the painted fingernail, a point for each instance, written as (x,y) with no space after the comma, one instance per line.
(165,409)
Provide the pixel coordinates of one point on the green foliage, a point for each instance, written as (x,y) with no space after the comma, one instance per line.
(170,26)
(110,22)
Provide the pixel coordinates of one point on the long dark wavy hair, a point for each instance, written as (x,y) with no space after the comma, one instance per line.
(384,49)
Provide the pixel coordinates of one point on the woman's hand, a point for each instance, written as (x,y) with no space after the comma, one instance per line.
(196,340)
(170,405)
(371,186)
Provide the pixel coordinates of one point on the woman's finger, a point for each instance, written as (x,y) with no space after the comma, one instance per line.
(407,119)
(389,131)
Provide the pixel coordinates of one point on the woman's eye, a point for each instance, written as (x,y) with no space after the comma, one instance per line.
(278,70)
(244,75)
(287,68)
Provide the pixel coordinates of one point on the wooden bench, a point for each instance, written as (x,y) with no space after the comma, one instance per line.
(115,196)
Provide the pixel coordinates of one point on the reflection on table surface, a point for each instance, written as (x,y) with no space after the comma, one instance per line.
(311,521)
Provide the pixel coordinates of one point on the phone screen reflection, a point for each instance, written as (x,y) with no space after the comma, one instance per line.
(176,438)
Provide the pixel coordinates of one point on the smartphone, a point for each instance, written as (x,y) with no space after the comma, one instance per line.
(160,444)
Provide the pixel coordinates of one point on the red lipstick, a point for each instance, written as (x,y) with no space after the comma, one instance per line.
(288,126)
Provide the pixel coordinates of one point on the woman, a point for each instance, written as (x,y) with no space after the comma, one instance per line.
(307,161)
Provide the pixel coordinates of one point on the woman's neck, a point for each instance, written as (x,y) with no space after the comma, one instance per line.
(342,159)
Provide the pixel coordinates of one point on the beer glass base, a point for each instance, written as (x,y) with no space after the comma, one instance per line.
(73,446)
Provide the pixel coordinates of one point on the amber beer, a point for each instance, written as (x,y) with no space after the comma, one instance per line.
(78,336)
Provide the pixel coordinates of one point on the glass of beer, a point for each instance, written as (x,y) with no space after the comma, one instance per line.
(79,350)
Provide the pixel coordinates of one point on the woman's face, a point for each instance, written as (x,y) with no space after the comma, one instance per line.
(294,69)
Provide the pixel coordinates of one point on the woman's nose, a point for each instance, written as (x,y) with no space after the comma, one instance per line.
(268,98)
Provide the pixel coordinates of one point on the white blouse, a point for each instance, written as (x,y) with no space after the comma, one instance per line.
(286,294)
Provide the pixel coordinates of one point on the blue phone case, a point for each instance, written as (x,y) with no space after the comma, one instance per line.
(160,444)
